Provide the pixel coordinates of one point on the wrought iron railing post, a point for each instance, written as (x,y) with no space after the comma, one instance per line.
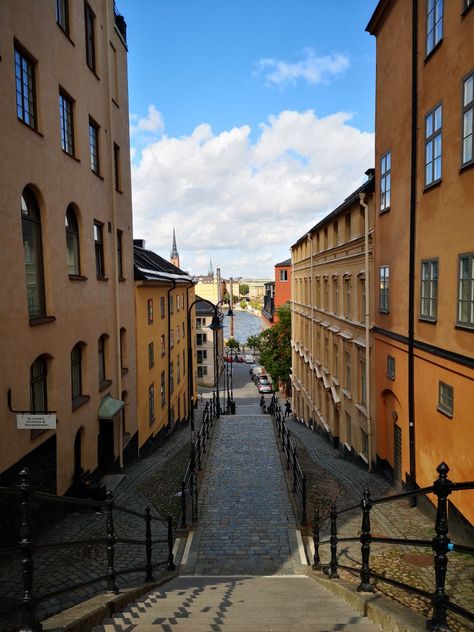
(333,574)
(442,489)
(316,558)
(183,504)
(29,621)
(304,518)
(294,469)
(110,539)
(171,565)
(194,493)
(288,452)
(365,537)
(148,544)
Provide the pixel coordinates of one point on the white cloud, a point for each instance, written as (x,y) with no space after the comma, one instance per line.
(241,202)
(153,123)
(313,69)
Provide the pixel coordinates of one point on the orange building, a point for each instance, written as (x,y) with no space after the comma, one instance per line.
(165,339)
(278,292)
(424,242)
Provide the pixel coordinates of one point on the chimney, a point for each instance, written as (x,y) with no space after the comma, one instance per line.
(140,243)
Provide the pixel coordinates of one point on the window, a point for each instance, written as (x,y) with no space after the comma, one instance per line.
(171,378)
(25,88)
(362,299)
(162,306)
(335,364)
(177,303)
(326,294)
(201,339)
(433,138)
(183,331)
(283,275)
(170,304)
(429,289)
(178,333)
(201,356)
(151,404)
(466,290)
(99,250)
(76,371)
(39,386)
(89,19)
(347,298)
(101,359)
(445,398)
(94,146)
(149,305)
(123,350)
(151,355)
(384,289)
(390,367)
(335,295)
(163,348)
(434,24)
(117,167)
(348,429)
(163,389)
(72,242)
(335,233)
(66,123)
(184,364)
(171,339)
(385,169)
(467,119)
(202,371)
(363,384)
(119,255)
(62,15)
(364,442)
(178,371)
(199,322)
(347,225)
(347,370)
(33,252)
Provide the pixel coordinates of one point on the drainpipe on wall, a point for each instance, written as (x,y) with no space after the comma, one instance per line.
(169,355)
(367,327)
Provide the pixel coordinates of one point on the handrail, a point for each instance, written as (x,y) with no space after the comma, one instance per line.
(28,602)
(440,544)
(298,477)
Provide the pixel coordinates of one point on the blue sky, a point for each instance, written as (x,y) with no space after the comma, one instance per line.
(250,120)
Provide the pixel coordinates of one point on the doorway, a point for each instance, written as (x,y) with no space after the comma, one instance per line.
(105,445)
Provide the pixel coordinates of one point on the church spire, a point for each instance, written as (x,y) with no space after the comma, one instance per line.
(174,256)
(210,272)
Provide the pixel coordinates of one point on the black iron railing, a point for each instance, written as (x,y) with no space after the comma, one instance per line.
(298,477)
(189,486)
(440,544)
(27,547)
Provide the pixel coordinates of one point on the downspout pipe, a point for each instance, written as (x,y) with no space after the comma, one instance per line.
(367,329)
(169,355)
(412,251)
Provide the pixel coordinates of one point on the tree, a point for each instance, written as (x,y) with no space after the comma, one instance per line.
(226,297)
(243,304)
(232,343)
(253,341)
(243,289)
(274,345)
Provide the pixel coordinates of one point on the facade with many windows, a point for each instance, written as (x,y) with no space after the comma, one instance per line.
(163,295)
(424,241)
(205,357)
(332,355)
(67,320)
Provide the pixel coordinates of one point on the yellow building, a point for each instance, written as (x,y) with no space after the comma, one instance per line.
(424,245)
(208,360)
(332,354)
(67,320)
(165,338)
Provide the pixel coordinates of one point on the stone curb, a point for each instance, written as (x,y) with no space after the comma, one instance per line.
(84,616)
(382,611)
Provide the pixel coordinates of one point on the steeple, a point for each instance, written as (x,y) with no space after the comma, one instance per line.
(174,257)
(210,272)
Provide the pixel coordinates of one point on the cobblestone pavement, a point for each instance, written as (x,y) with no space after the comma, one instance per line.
(55,569)
(246,525)
(413,565)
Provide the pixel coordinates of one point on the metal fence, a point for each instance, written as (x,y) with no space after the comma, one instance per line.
(27,547)
(440,544)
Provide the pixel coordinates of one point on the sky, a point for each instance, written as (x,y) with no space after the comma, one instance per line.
(250,120)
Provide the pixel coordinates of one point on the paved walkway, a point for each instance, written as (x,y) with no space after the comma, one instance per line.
(246,524)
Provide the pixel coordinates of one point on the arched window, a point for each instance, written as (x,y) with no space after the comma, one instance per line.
(33,251)
(72,242)
(38,386)
(76,371)
(103,381)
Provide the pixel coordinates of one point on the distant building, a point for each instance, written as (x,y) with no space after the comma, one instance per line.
(210,286)
(424,242)
(67,317)
(277,292)
(162,296)
(205,355)
(174,256)
(268,309)
(332,355)
(256,288)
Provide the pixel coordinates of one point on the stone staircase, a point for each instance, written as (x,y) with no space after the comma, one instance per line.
(238,604)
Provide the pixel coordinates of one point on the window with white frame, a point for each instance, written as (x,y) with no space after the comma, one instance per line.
(66,123)
(445,398)
(384,275)
(429,289)
(283,275)
(467,119)
(466,290)
(347,370)
(385,180)
(25,88)
(434,24)
(433,145)
(347,297)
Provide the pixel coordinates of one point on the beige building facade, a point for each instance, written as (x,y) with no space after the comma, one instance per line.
(332,294)
(207,359)
(67,323)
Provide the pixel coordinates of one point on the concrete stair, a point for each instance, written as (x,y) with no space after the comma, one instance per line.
(238,604)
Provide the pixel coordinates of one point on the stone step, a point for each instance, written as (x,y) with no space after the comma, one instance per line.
(238,604)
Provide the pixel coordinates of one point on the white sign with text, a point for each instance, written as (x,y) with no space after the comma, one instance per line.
(36,422)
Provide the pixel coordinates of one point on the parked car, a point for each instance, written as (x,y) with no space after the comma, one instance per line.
(263,380)
(239,359)
(265,388)
(255,370)
(229,358)
(249,359)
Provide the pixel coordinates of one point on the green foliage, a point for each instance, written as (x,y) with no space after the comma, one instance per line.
(243,289)
(243,304)
(274,345)
(253,341)
(232,343)
(255,304)
(226,297)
